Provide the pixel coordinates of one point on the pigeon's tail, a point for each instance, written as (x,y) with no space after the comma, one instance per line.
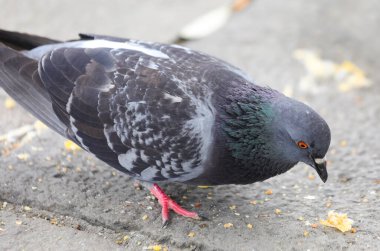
(20,79)
(23,41)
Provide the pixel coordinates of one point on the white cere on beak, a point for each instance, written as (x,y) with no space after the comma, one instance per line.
(320,160)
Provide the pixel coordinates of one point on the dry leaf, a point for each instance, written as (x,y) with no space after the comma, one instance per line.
(203,187)
(155,248)
(268,192)
(343,143)
(301,218)
(338,220)
(23,156)
(54,221)
(71,146)
(191,234)
(9,103)
(233,207)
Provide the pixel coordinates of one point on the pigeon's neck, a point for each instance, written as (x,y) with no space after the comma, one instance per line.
(246,127)
(247,122)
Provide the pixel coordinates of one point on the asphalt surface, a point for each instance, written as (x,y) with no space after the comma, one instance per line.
(53,199)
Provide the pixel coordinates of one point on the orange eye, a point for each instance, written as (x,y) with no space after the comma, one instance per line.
(302,145)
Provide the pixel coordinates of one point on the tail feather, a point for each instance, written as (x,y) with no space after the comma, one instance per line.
(23,41)
(19,78)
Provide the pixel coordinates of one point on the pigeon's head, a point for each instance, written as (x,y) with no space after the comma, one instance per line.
(300,134)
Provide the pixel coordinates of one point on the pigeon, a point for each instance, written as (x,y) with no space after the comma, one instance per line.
(161,113)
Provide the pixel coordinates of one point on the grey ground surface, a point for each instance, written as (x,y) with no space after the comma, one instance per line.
(56,200)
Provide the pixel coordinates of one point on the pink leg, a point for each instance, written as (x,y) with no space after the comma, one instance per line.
(167,204)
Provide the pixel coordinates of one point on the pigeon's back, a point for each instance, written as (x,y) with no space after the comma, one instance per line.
(145,109)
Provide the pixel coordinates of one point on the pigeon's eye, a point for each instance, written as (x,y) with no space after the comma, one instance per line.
(302,145)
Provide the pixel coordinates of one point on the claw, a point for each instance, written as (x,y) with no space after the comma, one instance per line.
(165,223)
(202,218)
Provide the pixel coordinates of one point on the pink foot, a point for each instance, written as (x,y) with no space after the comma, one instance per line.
(167,203)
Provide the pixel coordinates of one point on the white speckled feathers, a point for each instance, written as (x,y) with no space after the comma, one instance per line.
(145,109)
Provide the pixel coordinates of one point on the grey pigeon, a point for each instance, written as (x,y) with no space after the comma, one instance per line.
(161,113)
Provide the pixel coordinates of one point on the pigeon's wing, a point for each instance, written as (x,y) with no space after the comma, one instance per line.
(20,79)
(133,106)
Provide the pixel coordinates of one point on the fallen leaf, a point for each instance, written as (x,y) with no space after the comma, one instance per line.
(191,234)
(155,247)
(351,76)
(301,218)
(268,192)
(9,103)
(232,207)
(54,221)
(203,187)
(71,146)
(23,156)
(338,220)
(343,143)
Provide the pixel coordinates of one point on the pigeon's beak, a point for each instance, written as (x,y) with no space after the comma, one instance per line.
(320,167)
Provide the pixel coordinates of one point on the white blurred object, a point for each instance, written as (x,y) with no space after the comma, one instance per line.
(211,21)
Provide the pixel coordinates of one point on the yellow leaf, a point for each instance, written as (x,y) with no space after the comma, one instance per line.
(155,247)
(71,146)
(203,187)
(338,220)
(268,192)
(54,221)
(9,103)
(191,234)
